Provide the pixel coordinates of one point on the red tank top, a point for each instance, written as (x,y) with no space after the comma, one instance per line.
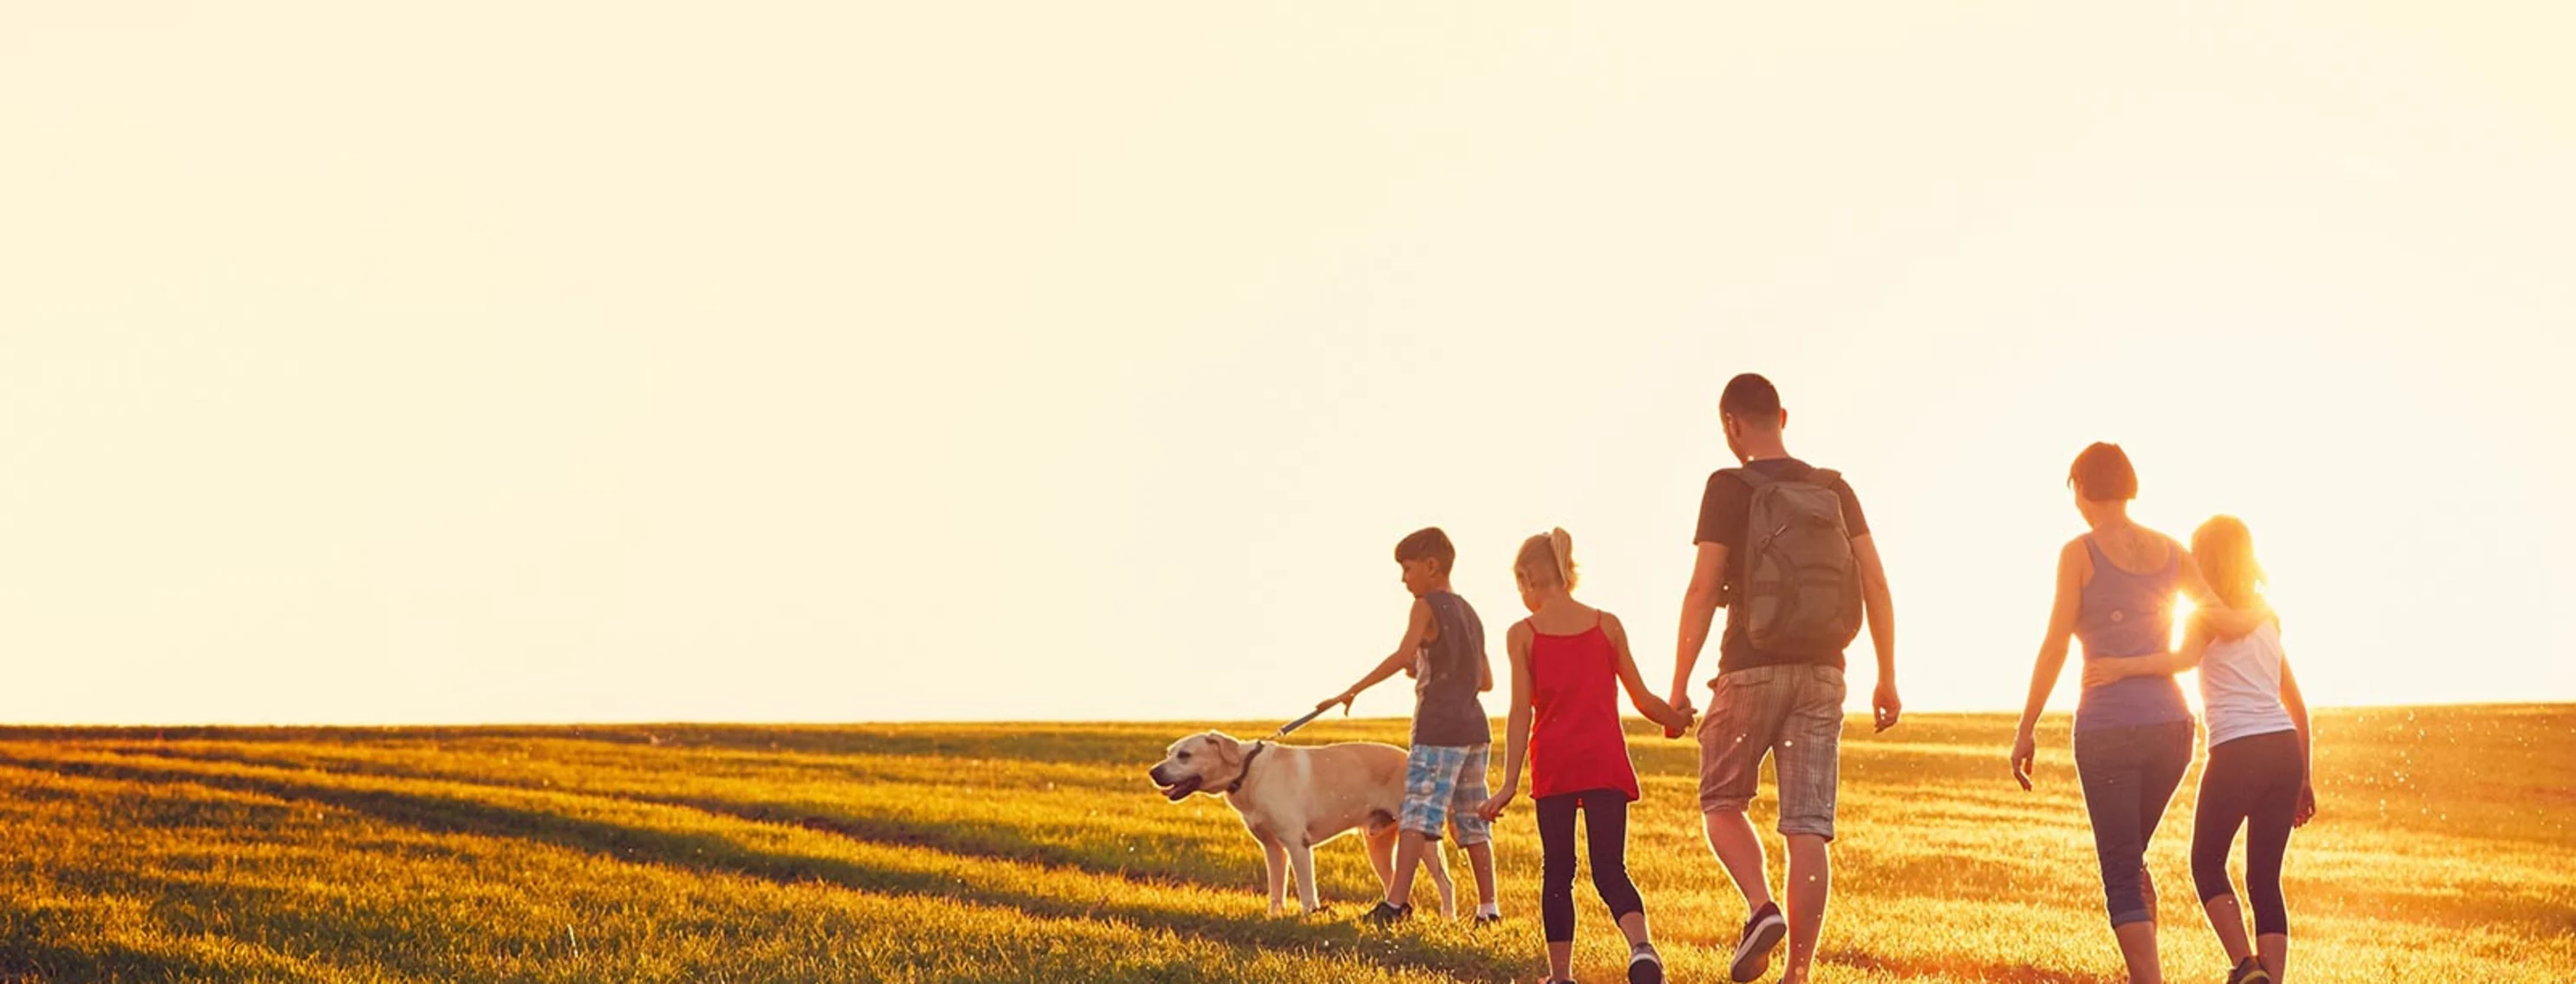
(1576,743)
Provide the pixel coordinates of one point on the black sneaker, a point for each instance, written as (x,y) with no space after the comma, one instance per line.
(1645,966)
(1488,919)
(1753,950)
(1388,915)
(2249,972)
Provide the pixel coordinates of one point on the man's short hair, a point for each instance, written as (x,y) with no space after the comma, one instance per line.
(2103,474)
(1751,400)
(1427,542)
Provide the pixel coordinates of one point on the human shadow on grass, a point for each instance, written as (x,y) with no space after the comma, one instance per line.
(714,853)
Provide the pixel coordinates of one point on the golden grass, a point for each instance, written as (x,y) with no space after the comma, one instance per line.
(1037,853)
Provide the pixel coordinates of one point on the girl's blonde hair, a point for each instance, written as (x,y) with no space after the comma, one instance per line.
(1547,560)
(2224,549)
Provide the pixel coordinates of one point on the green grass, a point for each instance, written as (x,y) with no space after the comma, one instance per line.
(1038,853)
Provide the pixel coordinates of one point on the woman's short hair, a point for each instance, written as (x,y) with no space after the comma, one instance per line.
(2103,474)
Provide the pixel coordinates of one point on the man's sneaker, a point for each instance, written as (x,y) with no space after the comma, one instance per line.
(1645,966)
(2249,972)
(1753,951)
(1388,915)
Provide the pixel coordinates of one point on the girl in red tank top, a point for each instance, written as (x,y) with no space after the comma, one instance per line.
(1568,662)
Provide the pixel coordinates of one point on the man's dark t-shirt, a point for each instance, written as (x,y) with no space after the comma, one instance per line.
(1723,512)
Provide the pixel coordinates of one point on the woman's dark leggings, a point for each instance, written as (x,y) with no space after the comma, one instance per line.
(1607,832)
(2129,775)
(2252,781)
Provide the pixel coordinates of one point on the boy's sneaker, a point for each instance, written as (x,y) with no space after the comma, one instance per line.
(1488,918)
(2249,972)
(1645,966)
(1388,915)
(1753,950)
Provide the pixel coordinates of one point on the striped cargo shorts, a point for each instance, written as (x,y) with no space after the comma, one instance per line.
(1791,712)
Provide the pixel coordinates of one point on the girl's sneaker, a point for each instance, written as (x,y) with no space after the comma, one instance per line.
(1645,966)
(2249,972)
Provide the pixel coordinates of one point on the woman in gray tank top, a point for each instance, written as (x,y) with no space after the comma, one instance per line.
(2116,589)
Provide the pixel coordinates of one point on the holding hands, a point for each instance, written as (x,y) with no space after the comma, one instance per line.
(1676,718)
(1679,703)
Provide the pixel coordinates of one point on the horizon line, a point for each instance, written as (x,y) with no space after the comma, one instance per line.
(10,728)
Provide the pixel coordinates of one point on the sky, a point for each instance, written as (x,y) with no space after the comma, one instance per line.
(823,362)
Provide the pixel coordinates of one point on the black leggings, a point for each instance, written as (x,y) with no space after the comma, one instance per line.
(1607,832)
(2252,781)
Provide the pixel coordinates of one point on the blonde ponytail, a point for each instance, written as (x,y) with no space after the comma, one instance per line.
(1561,544)
(1547,560)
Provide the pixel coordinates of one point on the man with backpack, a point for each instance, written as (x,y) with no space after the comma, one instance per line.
(1783,546)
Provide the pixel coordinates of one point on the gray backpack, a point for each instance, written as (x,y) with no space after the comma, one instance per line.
(1801,592)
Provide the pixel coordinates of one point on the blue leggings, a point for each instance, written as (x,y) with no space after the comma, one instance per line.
(2129,776)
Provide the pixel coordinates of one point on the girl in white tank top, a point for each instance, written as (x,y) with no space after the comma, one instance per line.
(2240,686)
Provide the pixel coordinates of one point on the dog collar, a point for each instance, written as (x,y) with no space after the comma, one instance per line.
(1246,772)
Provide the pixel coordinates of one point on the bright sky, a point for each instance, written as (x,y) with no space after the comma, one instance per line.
(512,362)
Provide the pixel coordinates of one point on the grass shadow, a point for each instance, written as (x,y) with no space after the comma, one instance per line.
(715,853)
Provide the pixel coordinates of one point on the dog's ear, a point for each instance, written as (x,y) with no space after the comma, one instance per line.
(1226,748)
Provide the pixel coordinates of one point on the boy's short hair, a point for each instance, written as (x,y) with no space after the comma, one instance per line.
(2103,474)
(1427,542)
(1751,399)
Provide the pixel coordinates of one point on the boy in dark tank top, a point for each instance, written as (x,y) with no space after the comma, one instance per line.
(1444,774)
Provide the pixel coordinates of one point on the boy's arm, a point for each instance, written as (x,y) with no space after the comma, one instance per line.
(1655,708)
(1516,726)
(1699,608)
(1416,626)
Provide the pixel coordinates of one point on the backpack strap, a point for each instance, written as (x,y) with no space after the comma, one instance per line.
(1823,476)
(1751,477)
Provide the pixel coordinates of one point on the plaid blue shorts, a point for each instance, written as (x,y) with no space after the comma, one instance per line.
(1446,782)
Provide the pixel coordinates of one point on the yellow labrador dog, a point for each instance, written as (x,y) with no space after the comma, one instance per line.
(1294,798)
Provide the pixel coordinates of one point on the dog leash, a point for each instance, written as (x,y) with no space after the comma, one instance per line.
(1296,724)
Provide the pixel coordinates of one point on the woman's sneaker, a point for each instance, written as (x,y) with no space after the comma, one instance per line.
(1645,966)
(2249,972)
(1753,951)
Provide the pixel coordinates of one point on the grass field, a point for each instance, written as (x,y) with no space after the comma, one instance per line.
(1039,853)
